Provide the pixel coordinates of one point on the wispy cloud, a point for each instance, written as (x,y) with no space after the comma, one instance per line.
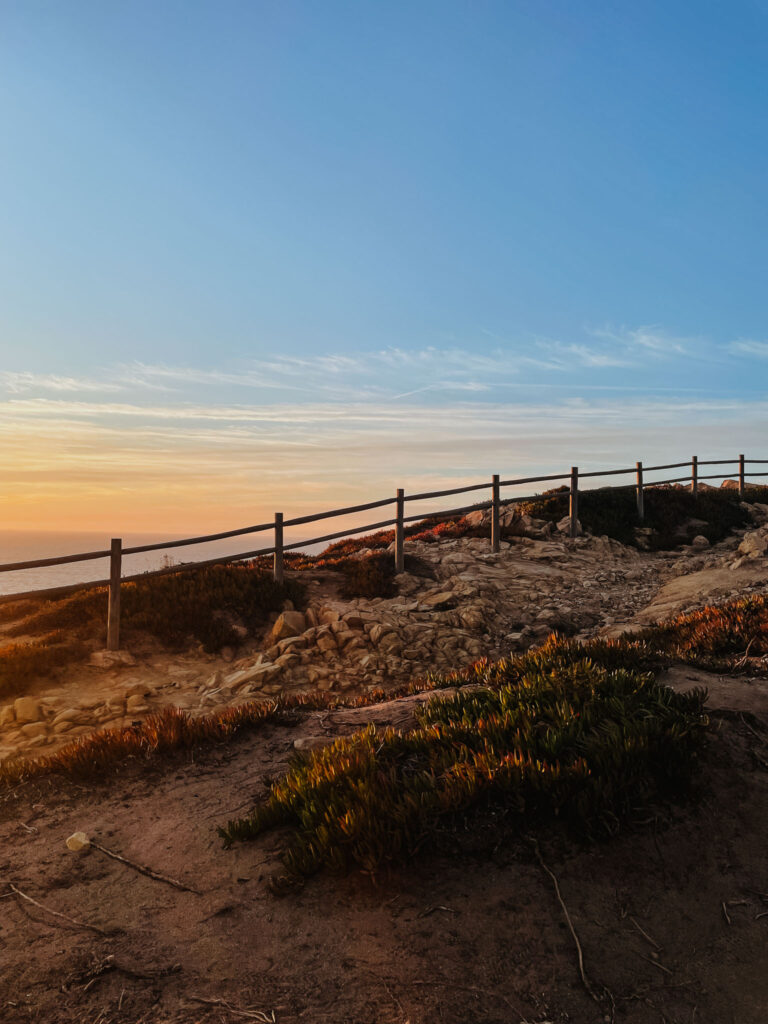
(750,348)
(21,382)
(651,340)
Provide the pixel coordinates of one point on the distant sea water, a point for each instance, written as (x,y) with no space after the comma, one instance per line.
(29,545)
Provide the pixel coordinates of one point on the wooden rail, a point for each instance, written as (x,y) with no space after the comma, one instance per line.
(116,551)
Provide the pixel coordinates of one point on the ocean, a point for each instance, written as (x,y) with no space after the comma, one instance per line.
(27,545)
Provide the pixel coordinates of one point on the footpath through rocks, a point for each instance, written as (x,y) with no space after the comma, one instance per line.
(458,603)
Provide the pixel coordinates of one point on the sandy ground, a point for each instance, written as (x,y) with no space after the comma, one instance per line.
(671,915)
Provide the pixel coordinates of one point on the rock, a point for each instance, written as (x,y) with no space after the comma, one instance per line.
(472,617)
(753,544)
(63,726)
(135,703)
(7,716)
(27,709)
(32,729)
(327,616)
(255,674)
(310,742)
(475,518)
(441,601)
(289,623)
(564,526)
(326,642)
(78,841)
(68,715)
(111,659)
(354,621)
(700,542)
(138,690)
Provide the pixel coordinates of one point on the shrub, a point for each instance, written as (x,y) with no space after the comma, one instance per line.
(564,738)
(371,576)
(613,512)
(172,608)
(22,663)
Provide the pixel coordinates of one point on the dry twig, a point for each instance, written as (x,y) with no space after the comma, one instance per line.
(256,1015)
(645,934)
(144,870)
(56,913)
(571,928)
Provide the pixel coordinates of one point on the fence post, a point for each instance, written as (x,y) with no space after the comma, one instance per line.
(640,495)
(574,503)
(495,538)
(113,611)
(741,476)
(695,475)
(399,530)
(278,570)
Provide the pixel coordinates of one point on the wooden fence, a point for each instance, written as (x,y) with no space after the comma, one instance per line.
(116,552)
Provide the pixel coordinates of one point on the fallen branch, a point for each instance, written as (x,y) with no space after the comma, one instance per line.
(582,973)
(109,963)
(256,1015)
(645,934)
(145,870)
(56,913)
(80,841)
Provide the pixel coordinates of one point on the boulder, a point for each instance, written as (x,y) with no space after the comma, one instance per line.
(27,709)
(289,623)
(7,716)
(111,659)
(753,545)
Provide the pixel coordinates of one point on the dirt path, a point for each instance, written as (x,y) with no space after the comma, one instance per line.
(668,915)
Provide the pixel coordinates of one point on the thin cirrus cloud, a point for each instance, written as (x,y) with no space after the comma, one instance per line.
(750,348)
(192,448)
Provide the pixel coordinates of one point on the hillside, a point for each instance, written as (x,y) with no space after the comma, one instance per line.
(664,882)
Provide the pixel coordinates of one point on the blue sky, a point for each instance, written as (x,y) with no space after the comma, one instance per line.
(278,251)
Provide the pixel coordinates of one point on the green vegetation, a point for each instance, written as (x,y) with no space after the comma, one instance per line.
(197,606)
(20,664)
(553,734)
(719,638)
(672,513)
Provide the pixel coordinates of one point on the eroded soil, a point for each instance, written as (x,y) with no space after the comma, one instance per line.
(672,915)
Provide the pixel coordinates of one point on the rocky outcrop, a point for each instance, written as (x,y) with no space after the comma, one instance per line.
(465,603)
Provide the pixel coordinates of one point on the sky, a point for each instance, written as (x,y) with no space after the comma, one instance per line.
(284,255)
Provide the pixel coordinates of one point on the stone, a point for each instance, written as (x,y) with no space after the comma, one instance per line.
(32,729)
(289,623)
(753,544)
(354,621)
(135,703)
(255,674)
(326,642)
(63,726)
(27,709)
(7,716)
(111,659)
(311,617)
(78,841)
(138,690)
(441,601)
(700,542)
(68,715)
(472,617)
(327,616)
